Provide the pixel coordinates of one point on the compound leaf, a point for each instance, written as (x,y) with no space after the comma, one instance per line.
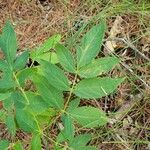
(89,116)
(97,87)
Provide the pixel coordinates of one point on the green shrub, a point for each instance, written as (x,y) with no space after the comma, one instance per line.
(33,97)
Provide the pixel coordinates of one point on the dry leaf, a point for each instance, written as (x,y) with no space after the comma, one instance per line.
(116,29)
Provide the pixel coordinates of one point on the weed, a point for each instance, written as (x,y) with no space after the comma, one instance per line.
(54,99)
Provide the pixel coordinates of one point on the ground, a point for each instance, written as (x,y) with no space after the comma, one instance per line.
(127,36)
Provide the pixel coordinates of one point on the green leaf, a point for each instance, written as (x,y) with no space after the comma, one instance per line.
(89,116)
(6,77)
(90,45)
(18,146)
(53,58)
(60,138)
(27,121)
(68,131)
(36,104)
(55,76)
(97,87)
(2,115)
(73,104)
(3,65)
(6,84)
(45,117)
(51,95)
(50,43)
(36,142)
(48,56)
(11,125)
(4,96)
(19,100)
(86,148)
(98,66)
(65,58)
(21,61)
(25,74)
(80,141)
(8,43)
(67,134)
(8,103)
(4,144)
(58,147)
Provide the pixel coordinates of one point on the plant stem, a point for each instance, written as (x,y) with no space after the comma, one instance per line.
(71,91)
(21,89)
(66,104)
(53,141)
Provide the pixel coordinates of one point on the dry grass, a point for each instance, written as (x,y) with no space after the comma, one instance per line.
(130,107)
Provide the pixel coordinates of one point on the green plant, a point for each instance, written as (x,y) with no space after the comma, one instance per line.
(33,97)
